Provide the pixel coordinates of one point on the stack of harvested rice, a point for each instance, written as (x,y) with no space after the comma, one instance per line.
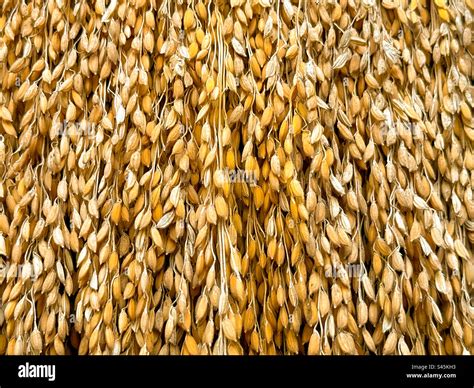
(243,177)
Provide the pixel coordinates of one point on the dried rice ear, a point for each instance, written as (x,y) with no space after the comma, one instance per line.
(236,178)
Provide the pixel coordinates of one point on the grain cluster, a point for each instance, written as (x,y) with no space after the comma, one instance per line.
(236,177)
